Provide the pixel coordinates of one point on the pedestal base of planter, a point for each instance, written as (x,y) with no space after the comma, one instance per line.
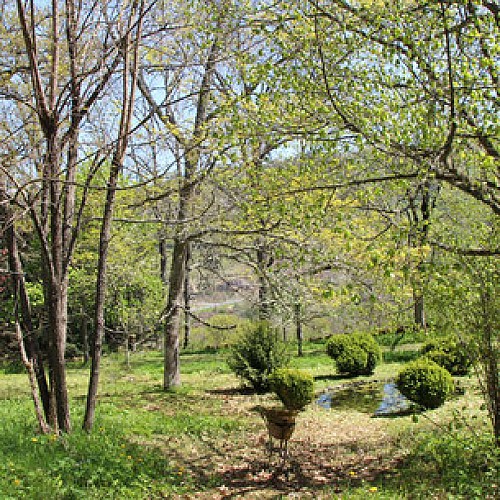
(280,425)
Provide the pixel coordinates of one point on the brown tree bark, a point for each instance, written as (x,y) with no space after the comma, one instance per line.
(187,298)
(298,328)
(171,374)
(30,341)
(187,192)
(130,71)
(63,93)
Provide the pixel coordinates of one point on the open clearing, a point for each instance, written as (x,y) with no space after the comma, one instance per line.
(207,440)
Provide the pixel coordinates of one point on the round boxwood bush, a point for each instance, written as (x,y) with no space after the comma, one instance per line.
(294,388)
(355,354)
(336,344)
(352,360)
(425,383)
(256,354)
(449,353)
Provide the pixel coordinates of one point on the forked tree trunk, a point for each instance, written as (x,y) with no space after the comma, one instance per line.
(192,153)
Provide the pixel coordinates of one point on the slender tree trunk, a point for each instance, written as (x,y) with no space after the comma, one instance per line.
(187,298)
(298,329)
(174,310)
(85,336)
(33,351)
(419,309)
(420,220)
(130,72)
(96,350)
(262,264)
(489,358)
(162,248)
(42,423)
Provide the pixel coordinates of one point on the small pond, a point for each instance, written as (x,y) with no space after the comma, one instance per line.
(378,398)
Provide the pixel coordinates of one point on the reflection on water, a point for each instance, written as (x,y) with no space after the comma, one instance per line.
(394,402)
(377,398)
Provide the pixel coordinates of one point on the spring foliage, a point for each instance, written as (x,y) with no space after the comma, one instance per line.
(256,354)
(449,353)
(425,382)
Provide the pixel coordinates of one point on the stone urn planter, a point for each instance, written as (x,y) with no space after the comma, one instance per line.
(280,425)
(295,389)
(280,422)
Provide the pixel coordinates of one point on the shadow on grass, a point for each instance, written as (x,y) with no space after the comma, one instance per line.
(400,356)
(331,377)
(252,470)
(232,391)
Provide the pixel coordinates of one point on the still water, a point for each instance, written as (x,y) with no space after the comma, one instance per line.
(379,398)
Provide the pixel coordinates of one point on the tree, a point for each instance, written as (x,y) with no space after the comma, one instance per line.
(52,88)
(130,37)
(204,103)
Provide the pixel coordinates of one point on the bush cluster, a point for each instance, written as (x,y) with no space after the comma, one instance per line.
(425,382)
(256,354)
(449,353)
(354,354)
(294,388)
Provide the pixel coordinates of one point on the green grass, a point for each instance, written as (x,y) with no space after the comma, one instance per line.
(148,443)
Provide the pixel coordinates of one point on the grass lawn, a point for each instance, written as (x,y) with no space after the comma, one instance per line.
(205,441)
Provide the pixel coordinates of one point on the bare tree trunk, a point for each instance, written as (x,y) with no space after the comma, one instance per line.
(421,206)
(96,349)
(162,248)
(56,283)
(419,309)
(130,71)
(171,377)
(187,298)
(489,358)
(262,264)
(85,336)
(57,311)
(33,351)
(44,427)
(298,329)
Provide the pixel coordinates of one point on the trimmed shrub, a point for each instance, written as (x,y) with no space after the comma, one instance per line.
(256,354)
(425,383)
(294,388)
(449,353)
(352,360)
(368,343)
(335,345)
(355,354)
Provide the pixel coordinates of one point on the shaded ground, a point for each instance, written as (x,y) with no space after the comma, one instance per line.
(328,452)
